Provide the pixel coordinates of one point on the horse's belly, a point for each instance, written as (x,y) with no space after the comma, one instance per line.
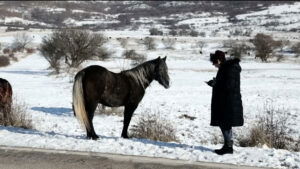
(113,99)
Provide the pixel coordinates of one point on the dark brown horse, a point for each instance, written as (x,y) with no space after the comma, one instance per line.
(95,84)
(5,100)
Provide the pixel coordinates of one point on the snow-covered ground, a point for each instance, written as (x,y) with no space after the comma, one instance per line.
(49,104)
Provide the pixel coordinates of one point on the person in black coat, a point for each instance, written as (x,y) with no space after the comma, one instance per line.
(226,103)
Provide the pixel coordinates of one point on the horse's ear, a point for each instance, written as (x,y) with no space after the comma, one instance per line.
(158,58)
(164,59)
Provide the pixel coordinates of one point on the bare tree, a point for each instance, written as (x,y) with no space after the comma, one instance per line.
(296,49)
(264,46)
(149,43)
(238,49)
(75,46)
(21,40)
(200,44)
(169,43)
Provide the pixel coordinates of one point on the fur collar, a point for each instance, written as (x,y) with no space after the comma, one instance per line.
(231,61)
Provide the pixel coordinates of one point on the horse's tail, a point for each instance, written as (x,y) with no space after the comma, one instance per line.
(9,96)
(79,103)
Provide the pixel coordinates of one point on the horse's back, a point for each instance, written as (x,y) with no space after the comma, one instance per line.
(93,69)
(105,86)
(5,85)
(5,92)
(3,81)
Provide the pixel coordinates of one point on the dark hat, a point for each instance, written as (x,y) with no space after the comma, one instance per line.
(218,55)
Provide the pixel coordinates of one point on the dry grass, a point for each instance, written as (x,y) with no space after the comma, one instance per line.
(271,130)
(4,61)
(155,128)
(17,116)
(217,139)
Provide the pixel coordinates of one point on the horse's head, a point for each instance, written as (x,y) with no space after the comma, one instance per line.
(161,72)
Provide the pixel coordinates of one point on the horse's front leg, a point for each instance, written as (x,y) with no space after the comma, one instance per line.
(129,109)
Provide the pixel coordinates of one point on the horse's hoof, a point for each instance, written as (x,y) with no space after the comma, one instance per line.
(125,136)
(93,137)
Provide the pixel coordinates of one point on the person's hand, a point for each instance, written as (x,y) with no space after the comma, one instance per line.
(211,82)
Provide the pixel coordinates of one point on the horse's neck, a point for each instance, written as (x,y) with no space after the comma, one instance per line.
(143,75)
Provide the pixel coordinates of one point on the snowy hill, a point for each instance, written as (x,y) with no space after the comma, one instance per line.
(130,14)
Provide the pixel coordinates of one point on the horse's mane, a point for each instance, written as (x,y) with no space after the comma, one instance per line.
(141,73)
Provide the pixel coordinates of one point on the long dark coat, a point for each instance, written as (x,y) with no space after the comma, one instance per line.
(226,105)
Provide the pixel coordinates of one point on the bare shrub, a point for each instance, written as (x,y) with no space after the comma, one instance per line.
(30,50)
(173,32)
(296,49)
(200,44)
(135,57)
(52,52)
(248,32)
(103,53)
(21,40)
(194,33)
(228,43)
(104,110)
(279,58)
(16,116)
(74,46)
(155,128)
(124,19)
(270,129)
(238,49)
(202,34)
(4,61)
(236,32)
(264,46)
(149,43)
(6,51)
(296,146)
(169,43)
(13,57)
(123,42)
(128,54)
(183,32)
(155,31)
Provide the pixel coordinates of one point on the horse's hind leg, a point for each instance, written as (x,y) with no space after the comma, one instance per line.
(129,109)
(90,108)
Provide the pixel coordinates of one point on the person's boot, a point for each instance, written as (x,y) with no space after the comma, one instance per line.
(226,149)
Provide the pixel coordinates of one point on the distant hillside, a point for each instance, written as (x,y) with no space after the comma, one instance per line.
(121,14)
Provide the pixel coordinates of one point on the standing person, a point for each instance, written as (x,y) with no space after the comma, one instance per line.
(226,103)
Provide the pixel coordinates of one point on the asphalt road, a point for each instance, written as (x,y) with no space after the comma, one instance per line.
(28,158)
